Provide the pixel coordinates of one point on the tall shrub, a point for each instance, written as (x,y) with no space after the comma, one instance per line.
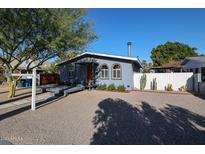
(154,84)
(143,81)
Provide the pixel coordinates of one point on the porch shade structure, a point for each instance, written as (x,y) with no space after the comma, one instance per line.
(88,61)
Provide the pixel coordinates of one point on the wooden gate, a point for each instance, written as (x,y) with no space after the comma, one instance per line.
(46,78)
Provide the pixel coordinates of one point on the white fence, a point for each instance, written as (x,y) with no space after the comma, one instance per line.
(163,79)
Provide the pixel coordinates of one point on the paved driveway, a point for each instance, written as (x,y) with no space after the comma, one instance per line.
(97,117)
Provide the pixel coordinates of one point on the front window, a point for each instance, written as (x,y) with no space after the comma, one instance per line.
(104,72)
(116,71)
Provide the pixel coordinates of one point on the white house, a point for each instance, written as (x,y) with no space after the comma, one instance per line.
(195,65)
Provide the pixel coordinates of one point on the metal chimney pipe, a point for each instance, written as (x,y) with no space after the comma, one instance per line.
(129,48)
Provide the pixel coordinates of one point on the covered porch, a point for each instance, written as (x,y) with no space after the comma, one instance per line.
(86,72)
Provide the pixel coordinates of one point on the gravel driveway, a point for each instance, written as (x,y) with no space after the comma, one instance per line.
(97,117)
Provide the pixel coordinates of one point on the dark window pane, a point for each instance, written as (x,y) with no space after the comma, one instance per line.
(196,70)
(106,73)
(118,74)
(103,74)
(114,73)
(104,67)
(203,74)
(116,66)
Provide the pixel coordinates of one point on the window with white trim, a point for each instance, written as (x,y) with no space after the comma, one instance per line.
(116,71)
(104,72)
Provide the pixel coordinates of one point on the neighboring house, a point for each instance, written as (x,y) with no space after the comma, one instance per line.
(26,81)
(42,78)
(22,68)
(172,66)
(100,69)
(195,65)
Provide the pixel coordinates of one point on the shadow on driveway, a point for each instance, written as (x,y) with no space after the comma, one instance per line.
(118,122)
(28,107)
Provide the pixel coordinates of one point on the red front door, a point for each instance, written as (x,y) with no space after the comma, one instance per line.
(89,73)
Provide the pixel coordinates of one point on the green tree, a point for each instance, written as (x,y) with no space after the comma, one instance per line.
(52,68)
(146,66)
(38,35)
(144,63)
(171,51)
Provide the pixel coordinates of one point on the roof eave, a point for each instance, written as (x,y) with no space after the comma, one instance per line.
(102,55)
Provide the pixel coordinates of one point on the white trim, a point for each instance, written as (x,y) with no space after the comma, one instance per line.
(104,55)
(104,70)
(116,70)
(30,75)
(33,98)
(112,56)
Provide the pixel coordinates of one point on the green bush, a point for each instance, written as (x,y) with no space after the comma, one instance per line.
(143,81)
(183,88)
(102,87)
(169,87)
(121,88)
(111,87)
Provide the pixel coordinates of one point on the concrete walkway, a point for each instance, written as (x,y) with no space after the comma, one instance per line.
(39,98)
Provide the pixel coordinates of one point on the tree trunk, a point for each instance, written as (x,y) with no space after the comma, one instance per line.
(12,86)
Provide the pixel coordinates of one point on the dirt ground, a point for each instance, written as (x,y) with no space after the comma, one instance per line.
(98,117)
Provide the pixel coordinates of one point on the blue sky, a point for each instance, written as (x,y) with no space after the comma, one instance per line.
(146,28)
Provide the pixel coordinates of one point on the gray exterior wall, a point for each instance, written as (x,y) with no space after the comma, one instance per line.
(202,88)
(127,70)
(126,73)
